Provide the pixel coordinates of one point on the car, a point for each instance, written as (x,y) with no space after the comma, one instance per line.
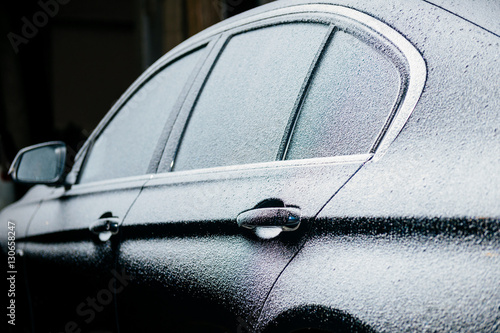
(306,166)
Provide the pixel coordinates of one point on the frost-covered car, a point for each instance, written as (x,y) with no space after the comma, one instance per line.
(327,165)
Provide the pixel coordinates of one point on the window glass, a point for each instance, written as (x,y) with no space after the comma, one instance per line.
(349,100)
(242,112)
(126,145)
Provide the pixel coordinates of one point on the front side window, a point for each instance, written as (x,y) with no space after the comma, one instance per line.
(125,147)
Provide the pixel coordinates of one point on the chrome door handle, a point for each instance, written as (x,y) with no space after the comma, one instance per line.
(286,218)
(106,226)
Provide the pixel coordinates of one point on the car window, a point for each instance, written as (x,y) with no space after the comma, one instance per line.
(245,105)
(126,145)
(350,98)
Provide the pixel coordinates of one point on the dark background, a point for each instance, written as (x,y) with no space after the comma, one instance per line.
(63,63)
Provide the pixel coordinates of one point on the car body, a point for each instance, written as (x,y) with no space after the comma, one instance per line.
(327,165)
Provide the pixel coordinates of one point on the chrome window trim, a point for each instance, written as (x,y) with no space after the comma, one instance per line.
(309,162)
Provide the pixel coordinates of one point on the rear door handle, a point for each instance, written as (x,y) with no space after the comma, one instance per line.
(286,218)
(106,226)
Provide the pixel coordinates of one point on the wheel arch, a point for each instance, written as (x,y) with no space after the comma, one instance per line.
(315,318)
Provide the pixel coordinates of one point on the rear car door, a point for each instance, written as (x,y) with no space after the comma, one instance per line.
(71,268)
(289,106)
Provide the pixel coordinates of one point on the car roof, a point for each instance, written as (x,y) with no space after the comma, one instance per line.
(483,13)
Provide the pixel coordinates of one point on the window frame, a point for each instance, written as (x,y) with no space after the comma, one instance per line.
(406,58)
(413,69)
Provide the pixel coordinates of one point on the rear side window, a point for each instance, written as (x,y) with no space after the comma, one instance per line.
(246,103)
(348,103)
(126,145)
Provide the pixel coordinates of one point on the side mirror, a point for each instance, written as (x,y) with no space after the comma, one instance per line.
(40,164)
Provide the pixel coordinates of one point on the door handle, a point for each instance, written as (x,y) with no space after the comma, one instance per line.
(106,226)
(285,218)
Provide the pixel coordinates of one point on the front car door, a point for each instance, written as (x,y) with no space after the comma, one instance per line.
(71,272)
(276,123)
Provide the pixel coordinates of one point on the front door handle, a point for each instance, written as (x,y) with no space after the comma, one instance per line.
(285,218)
(106,226)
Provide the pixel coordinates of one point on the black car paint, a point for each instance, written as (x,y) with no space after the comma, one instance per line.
(418,228)
(391,251)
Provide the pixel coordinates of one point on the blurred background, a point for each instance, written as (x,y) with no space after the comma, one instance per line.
(63,63)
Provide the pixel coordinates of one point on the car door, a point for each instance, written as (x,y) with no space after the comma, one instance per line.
(293,104)
(71,269)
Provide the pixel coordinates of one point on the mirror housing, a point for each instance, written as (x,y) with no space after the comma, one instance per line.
(40,164)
